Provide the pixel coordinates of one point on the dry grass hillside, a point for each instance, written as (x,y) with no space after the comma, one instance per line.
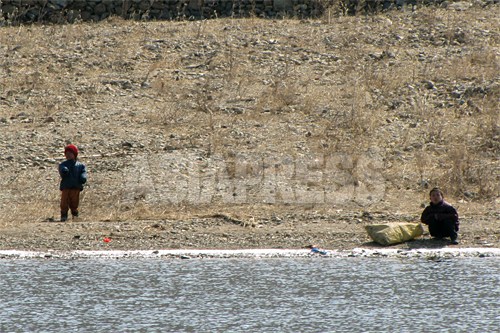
(252,117)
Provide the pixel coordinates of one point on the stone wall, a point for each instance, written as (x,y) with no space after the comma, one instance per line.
(95,10)
(61,11)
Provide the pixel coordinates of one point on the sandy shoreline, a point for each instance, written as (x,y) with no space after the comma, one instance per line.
(220,236)
(430,254)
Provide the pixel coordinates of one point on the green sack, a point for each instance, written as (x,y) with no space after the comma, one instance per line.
(393,233)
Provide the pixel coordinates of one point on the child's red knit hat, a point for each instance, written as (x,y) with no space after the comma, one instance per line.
(72,148)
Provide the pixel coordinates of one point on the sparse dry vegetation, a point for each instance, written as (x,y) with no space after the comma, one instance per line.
(406,100)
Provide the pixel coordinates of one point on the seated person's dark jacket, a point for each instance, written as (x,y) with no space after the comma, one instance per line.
(73,175)
(441,212)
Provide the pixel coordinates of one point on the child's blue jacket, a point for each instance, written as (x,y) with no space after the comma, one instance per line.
(73,175)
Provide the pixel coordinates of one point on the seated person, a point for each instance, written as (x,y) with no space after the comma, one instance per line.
(441,217)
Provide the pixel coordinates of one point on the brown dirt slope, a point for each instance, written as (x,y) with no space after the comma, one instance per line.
(241,133)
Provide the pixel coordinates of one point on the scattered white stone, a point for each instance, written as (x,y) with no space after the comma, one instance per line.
(256,253)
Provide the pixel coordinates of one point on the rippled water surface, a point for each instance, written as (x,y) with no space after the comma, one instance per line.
(250,295)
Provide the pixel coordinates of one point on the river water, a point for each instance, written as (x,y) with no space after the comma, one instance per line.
(250,295)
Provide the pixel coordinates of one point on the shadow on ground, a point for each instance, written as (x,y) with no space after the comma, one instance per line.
(423,243)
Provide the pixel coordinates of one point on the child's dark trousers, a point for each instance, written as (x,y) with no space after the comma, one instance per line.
(70,198)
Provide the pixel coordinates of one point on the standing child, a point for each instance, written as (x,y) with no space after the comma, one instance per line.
(441,217)
(73,176)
